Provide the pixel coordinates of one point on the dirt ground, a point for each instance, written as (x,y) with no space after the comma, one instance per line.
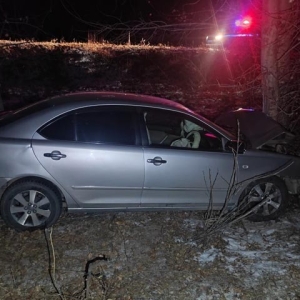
(156,255)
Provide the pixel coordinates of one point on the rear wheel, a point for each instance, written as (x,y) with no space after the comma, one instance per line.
(272,191)
(30,205)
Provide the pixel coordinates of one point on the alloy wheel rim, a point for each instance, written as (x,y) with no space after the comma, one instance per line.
(269,193)
(30,208)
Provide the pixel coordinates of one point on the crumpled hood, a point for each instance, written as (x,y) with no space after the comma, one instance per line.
(258,128)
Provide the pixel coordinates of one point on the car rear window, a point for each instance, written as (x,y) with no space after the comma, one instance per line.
(8,117)
(62,129)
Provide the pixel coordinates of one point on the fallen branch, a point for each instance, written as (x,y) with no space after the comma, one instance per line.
(52,266)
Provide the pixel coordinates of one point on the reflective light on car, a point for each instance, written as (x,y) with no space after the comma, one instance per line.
(210,135)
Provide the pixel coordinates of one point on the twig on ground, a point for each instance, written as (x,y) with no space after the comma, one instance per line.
(100,276)
(52,262)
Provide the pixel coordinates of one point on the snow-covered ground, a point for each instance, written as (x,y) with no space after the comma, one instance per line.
(257,253)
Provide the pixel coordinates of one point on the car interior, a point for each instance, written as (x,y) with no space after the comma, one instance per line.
(181,133)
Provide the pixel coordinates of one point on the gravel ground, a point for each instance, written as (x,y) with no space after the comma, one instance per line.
(157,255)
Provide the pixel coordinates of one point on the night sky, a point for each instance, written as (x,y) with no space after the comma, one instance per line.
(49,19)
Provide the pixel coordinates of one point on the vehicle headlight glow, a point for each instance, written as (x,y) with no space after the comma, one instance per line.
(219,37)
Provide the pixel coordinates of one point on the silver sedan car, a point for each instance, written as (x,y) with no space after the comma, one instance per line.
(100,151)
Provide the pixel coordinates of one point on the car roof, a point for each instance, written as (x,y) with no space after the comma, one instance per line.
(83,99)
(77,100)
(50,108)
(113,98)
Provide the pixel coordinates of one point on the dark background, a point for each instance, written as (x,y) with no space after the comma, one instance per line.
(69,20)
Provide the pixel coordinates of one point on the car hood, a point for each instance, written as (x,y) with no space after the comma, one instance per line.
(257,127)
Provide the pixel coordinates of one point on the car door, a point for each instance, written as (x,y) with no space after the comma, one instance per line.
(95,154)
(178,176)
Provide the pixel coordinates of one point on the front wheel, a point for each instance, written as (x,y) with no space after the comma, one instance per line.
(272,191)
(30,205)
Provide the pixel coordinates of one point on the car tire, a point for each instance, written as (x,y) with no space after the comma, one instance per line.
(30,205)
(275,189)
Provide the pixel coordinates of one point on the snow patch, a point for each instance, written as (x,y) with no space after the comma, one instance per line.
(209,255)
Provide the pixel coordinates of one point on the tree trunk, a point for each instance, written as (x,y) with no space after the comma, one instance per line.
(276,36)
(268,58)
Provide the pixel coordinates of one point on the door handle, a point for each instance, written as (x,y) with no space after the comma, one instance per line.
(157,161)
(55,155)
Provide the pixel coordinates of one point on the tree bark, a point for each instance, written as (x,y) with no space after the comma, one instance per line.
(276,36)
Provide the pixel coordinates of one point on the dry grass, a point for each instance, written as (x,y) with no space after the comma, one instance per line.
(94,47)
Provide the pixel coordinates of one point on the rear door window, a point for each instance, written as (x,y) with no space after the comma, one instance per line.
(104,125)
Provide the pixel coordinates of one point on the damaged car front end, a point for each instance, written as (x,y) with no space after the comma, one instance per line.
(262,133)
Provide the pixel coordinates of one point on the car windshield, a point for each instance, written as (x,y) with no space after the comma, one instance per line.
(223,131)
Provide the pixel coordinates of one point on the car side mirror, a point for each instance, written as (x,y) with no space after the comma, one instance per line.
(238,146)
